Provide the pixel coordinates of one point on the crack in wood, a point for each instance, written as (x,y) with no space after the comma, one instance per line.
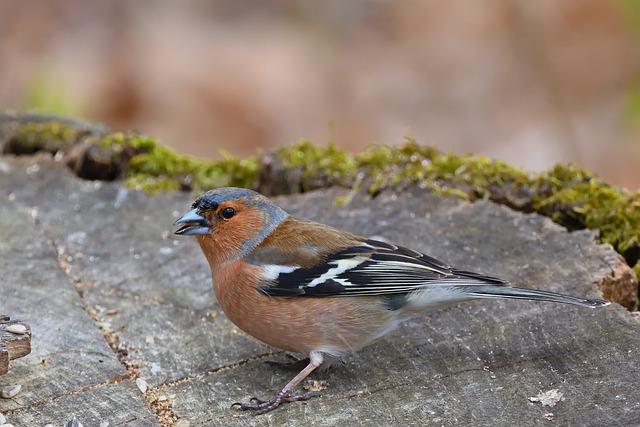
(73,392)
(213,371)
(160,401)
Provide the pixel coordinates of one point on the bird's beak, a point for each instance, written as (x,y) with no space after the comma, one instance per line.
(193,224)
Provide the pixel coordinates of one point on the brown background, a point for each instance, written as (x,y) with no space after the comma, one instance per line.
(530,82)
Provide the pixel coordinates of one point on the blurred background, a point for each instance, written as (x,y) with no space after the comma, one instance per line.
(530,82)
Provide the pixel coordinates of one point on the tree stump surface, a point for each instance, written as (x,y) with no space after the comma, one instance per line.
(112,295)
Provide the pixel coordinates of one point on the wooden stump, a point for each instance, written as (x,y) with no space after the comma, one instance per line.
(12,344)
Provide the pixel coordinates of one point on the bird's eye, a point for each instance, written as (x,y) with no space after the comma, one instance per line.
(228,213)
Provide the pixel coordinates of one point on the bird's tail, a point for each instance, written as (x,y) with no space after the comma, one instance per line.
(509,292)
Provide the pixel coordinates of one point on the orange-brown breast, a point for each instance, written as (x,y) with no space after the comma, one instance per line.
(300,324)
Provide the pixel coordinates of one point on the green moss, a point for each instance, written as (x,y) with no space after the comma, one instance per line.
(198,175)
(334,165)
(479,172)
(151,184)
(593,203)
(159,168)
(138,142)
(152,167)
(390,165)
(464,176)
(571,196)
(155,168)
(50,136)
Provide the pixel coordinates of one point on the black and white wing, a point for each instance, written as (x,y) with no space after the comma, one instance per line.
(403,276)
(372,268)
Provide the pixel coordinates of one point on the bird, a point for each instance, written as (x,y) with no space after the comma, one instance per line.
(319,291)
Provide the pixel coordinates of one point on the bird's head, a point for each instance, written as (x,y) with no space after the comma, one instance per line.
(229,222)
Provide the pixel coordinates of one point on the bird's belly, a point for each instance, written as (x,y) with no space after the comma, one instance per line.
(332,325)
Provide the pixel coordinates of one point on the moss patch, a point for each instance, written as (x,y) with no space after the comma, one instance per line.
(571,196)
(157,168)
(94,152)
(49,136)
(335,166)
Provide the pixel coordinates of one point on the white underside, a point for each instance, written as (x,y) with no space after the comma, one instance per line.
(436,296)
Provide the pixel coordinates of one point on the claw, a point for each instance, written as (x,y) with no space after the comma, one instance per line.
(264,406)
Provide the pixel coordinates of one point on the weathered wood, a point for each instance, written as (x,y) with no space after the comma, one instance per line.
(71,369)
(4,351)
(12,345)
(4,358)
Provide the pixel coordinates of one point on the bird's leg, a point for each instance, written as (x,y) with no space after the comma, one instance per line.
(296,363)
(264,406)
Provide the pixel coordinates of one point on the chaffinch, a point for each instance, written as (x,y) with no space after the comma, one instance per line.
(309,288)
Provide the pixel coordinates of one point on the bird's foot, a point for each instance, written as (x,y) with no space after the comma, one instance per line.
(259,406)
(296,363)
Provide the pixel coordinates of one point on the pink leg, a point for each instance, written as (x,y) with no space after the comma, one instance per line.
(264,406)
